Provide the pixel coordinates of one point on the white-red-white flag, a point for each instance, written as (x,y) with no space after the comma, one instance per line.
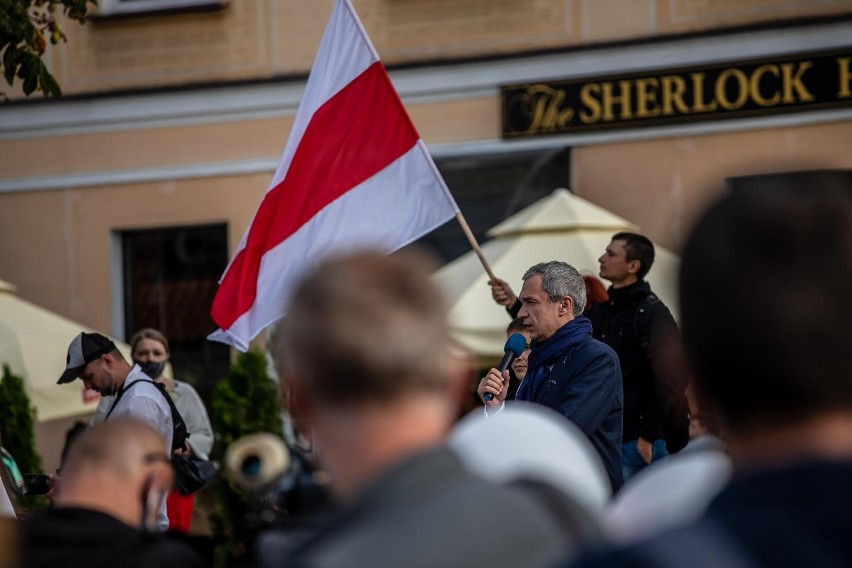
(354,174)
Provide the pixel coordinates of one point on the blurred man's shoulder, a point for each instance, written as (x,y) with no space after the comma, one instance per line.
(64,536)
(705,544)
(165,551)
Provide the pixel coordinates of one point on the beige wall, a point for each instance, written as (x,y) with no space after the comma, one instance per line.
(661,185)
(252,39)
(438,122)
(55,244)
(140,148)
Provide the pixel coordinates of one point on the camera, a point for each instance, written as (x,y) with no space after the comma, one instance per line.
(290,497)
(287,487)
(37,484)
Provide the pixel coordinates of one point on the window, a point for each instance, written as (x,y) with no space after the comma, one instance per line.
(170,278)
(123,7)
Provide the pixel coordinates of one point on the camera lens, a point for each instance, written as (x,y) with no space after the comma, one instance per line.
(251,466)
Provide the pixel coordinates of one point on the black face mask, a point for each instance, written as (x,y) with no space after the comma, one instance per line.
(152,368)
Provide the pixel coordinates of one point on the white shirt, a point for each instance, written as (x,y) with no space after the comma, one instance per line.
(191,409)
(145,402)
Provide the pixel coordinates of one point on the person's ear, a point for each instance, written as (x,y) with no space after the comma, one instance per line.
(566,306)
(633,266)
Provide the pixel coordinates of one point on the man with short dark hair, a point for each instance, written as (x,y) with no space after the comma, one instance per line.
(374,379)
(115,476)
(568,370)
(772,355)
(516,326)
(642,331)
(95,359)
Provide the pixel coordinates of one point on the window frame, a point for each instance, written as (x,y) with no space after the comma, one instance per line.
(134,7)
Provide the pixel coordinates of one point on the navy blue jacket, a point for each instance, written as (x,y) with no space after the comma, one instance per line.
(585,387)
(796,515)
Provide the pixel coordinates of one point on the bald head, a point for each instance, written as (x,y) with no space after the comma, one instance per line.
(121,446)
(111,465)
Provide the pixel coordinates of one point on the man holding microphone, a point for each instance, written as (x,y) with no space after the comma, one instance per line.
(567,369)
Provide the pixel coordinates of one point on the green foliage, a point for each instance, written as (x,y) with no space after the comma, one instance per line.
(16,423)
(244,403)
(25,28)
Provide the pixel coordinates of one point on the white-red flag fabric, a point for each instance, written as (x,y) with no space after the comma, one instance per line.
(354,174)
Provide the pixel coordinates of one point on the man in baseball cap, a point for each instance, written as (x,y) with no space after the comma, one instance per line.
(95,359)
(84,349)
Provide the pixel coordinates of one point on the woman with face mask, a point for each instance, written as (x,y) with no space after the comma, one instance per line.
(150,350)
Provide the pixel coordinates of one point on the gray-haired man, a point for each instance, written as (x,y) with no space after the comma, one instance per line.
(568,370)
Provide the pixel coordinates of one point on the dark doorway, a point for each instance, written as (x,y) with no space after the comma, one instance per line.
(170,278)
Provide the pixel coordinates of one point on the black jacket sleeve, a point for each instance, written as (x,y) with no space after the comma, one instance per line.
(669,375)
(516,307)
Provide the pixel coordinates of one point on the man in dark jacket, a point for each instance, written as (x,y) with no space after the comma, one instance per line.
(568,370)
(641,330)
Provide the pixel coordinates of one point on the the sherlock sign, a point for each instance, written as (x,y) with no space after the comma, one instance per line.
(754,88)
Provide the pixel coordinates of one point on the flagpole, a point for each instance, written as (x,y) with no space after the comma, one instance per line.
(475,245)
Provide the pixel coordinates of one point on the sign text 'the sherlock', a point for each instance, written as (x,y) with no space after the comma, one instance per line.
(779,85)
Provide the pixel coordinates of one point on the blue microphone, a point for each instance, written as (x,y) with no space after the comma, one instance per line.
(515,346)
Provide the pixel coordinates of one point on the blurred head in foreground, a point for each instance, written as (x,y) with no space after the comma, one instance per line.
(772,353)
(118,468)
(371,373)
(111,486)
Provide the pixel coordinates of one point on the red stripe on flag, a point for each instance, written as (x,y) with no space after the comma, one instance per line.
(354,135)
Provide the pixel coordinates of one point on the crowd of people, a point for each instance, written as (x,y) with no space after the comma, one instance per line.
(613,439)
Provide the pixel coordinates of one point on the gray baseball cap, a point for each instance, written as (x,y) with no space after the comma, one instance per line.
(84,349)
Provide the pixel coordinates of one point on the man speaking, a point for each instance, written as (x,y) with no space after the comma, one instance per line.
(567,369)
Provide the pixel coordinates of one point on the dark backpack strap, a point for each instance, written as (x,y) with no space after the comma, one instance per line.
(121,394)
(179,432)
